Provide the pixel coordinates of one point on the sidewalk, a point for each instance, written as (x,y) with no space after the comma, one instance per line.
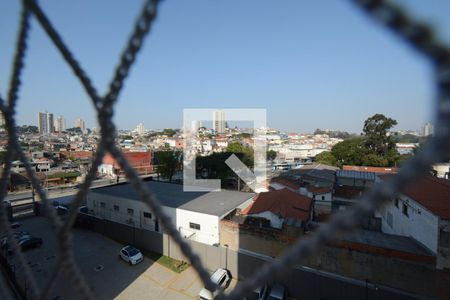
(158,282)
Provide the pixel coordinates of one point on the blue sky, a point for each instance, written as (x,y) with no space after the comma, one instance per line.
(311,64)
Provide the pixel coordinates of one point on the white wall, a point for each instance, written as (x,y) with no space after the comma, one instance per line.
(209,224)
(420,223)
(275,221)
(106,169)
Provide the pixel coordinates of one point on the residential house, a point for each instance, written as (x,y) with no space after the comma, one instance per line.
(421,211)
(275,208)
(140,161)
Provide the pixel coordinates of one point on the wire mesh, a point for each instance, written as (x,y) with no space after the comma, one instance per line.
(414,33)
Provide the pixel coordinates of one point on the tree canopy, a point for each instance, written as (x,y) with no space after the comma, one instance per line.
(326,158)
(271,155)
(26,129)
(167,163)
(169,132)
(376,130)
(246,151)
(375,148)
(335,134)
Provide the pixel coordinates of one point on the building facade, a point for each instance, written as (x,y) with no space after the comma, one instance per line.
(219,121)
(60,124)
(196,215)
(80,124)
(45,123)
(427,130)
(422,212)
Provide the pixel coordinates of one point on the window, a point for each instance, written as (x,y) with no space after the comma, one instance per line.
(221,281)
(116,207)
(147,215)
(396,202)
(130,211)
(323,197)
(405,209)
(194,226)
(102,204)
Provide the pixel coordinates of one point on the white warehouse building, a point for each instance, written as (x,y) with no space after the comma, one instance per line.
(195,214)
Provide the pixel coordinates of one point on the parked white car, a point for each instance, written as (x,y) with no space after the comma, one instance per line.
(221,278)
(131,255)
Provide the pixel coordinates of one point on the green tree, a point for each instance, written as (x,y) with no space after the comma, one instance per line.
(246,151)
(235,147)
(271,155)
(376,129)
(169,132)
(27,129)
(335,134)
(326,158)
(349,152)
(374,160)
(167,163)
(214,165)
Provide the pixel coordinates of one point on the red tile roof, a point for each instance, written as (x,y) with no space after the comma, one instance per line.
(370,169)
(284,203)
(141,161)
(291,184)
(433,193)
(319,190)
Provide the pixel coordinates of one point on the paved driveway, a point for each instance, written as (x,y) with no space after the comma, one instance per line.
(109,276)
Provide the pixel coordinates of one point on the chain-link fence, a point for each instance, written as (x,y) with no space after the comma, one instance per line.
(417,35)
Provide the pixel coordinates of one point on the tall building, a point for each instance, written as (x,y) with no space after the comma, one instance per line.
(427,129)
(80,124)
(219,121)
(195,125)
(2,122)
(2,119)
(140,129)
(45,123)
(60,124)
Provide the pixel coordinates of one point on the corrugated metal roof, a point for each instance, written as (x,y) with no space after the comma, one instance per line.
(356,175)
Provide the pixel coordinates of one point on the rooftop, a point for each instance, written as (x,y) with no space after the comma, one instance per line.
(387,241)
(370,169)
(347,192)
(319,190)
(284,203)
(285,182)
(433,193)
(356,174)
(172,195)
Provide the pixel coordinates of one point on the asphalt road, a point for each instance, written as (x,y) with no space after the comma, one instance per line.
(108,276)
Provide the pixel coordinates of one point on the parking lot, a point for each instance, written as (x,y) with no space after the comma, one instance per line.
(108,275)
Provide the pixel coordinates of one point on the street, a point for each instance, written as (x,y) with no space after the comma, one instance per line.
(107,275)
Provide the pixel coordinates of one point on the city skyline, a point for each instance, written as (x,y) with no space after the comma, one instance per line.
(219,120)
